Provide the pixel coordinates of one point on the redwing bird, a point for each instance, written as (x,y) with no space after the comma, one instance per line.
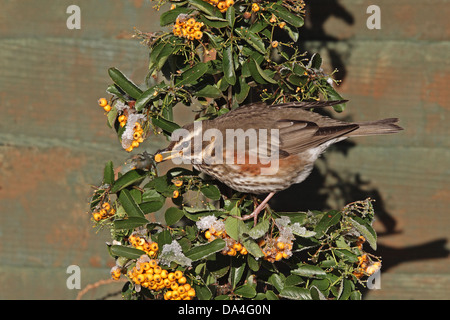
(302,135)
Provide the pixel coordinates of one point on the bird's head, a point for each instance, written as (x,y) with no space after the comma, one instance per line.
(187,146)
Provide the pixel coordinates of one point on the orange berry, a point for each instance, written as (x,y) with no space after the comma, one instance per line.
(279,256)
(178,274)
(153,263)
(97,216)
(255,7)
(178,183)
(171,276)
(175,194)
(191,292)
(282,25)
(154,246)
(107,108)
(274,44)
(102,102)
(158,157)
(182,280)
(208,235)
(157,269)
(229,3)
(280,245)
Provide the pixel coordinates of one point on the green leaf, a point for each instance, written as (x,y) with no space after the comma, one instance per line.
(108,173)
(245,291)
(252,247)
(165,125)
(315,62)
(252,39)
(195,213)
(277,281)
(130,223)
(259,74)
(192,74)
(146,97)
(202,292)
(309,271)
(211,191)
(236,271)
(329,219)
(124,83)
(345,290)
(260,229)
(286,15)
(316,294)
(293,280)
(161,52)
(365,230)
(173,215)
(127,252)
(214,23)
(228,65)
(129,178)
(129,205)
(151,206)
(346,255)
(202,251)
(244,89)
(270,295)
(295,293)
(209,91)
(205,7)
(170,16)
(162,238)
(116,91)
(235,227)
(230,16)
(333,95)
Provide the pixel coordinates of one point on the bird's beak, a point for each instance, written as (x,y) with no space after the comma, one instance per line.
(160,155)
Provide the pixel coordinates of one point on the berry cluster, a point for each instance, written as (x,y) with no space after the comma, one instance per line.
(102,102)
(366,266)
(137,136)
(221,5)
(275,249)
(188,28)
(116,271)
(232,248)
(148,274)
(150,247)
(105,212)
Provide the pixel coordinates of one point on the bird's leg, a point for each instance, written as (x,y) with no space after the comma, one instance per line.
(258,209)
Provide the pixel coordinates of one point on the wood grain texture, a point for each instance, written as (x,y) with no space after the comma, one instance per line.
(54,141)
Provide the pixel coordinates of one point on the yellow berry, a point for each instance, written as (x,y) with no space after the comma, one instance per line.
(182,280)
(187,287)
(208,235)
(282,25)
(135,144)
(243,251)
(107,108)
(255,7)
(164,273)
(197,26)
(274,44)
(229,3)
(178,274)
(175,194)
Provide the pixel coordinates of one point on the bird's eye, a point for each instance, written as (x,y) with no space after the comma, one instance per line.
(185,144)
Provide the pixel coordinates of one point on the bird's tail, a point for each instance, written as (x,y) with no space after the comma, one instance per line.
(384,126)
